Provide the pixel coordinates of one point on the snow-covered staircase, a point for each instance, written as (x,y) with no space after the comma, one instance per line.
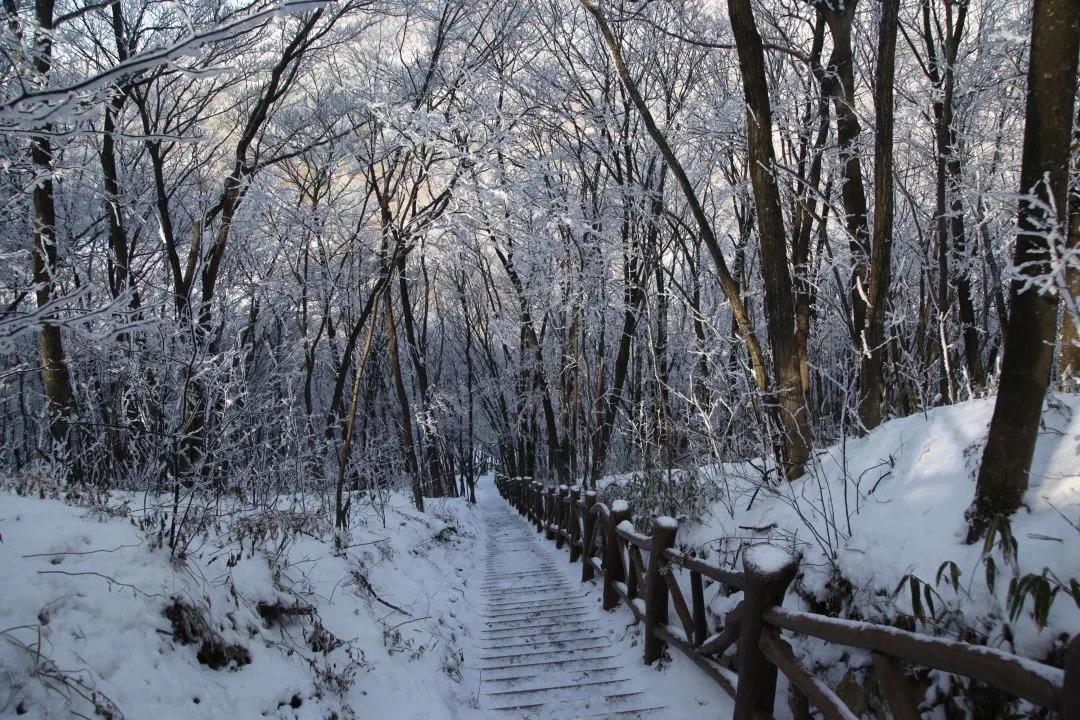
(543,650)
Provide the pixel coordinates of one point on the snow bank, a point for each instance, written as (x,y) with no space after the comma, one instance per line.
(873,512)
(81,615)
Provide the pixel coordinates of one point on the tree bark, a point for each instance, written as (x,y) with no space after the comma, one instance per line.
(848,129)
(341,509)
(55,374)
(120,272)
(779,304)
(949,205)
(408,446)
(1044,177)
(1069,360)
(804,209)
(417,354)
(872,387)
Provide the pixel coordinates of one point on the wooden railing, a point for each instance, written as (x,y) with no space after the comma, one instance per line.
(649,575)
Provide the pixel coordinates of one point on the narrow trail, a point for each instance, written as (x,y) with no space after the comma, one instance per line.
(543,645)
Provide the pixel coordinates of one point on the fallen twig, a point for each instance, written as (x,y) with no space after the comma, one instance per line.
(362,579)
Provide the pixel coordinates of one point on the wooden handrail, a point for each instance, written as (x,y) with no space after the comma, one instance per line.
(780,654)
(1019,676)
(628,533)
(606,542)
(713,572)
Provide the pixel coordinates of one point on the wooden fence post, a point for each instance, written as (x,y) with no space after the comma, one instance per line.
(588,536)
(567,509)
(767,572)
(613,561)
(549,513)
(537,500)
(656,592)
(697,594)
(1070,694)
(560,515)
(575,523)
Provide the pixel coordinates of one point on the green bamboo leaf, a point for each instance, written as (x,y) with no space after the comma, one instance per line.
(1016,602)
(988,543)
(1010,596)
(916,601)
(1043,600)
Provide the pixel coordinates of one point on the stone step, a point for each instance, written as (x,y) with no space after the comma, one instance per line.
(541,637)
(564,646)
(540,627)
(572,616)
(530,678)
(588,661)
(518,658)
(576,705)
(542,650)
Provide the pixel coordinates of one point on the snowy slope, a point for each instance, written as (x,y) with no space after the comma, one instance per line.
(81,615)
(393,618)
(890,505)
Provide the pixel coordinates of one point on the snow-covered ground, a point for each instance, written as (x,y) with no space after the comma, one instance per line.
(82,596)
(83,629)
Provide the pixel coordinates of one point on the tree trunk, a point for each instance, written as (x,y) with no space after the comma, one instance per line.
(1044,176)
(1069,360)
(793,416)
(120,272)
(468,468)
(408,446)
(55,375)
(848,129)
(341,509)
(872,399)
(806,202)
(417,354)
(558,453)
(779,305)
(949,205)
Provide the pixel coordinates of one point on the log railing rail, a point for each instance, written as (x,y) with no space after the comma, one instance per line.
(649,575)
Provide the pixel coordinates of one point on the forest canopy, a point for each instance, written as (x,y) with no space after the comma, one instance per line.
(336,246)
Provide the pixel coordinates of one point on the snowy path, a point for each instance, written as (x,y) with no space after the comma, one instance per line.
(545,650)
